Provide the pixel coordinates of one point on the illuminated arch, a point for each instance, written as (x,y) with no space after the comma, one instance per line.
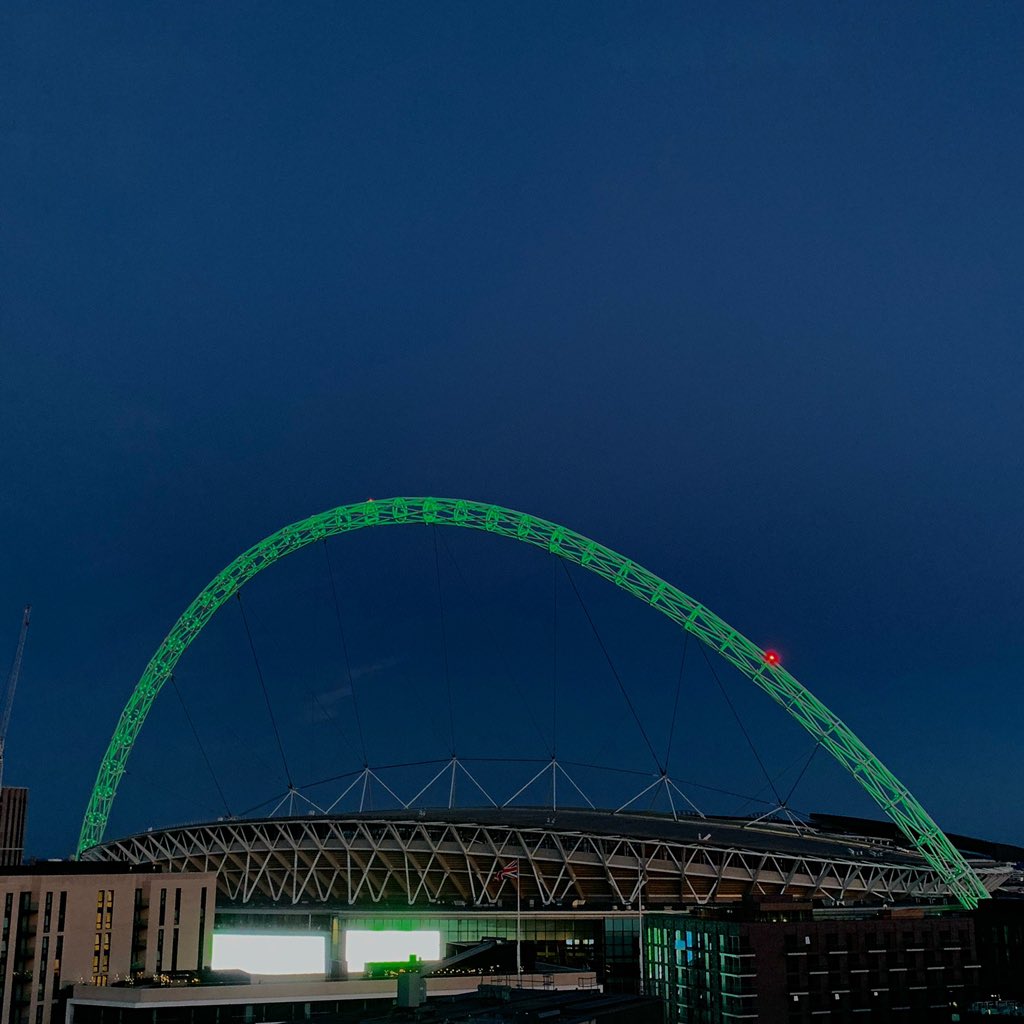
(828,730)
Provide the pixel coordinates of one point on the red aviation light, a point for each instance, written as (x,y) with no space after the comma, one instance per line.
(772,658)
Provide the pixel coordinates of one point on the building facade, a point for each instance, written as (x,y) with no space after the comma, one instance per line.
(999,925)
(607,942)
(13,809)
(66,923)
(795,963)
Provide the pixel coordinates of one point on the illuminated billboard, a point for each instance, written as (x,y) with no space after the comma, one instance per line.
(363,947)
(270,953)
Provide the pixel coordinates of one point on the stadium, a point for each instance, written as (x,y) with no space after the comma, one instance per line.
(573,883)
(568,859)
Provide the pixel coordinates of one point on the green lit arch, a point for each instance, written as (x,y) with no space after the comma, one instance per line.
(836,737)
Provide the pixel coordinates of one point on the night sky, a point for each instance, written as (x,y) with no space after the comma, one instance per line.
(733,289)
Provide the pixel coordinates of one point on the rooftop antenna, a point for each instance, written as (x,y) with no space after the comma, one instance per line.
(12,685)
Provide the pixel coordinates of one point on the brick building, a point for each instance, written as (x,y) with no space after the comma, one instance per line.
(791,962)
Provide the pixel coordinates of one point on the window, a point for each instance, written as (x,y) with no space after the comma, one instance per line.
(138,950)
(44,956)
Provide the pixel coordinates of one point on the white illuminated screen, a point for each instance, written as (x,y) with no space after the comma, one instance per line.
(362,948)
(270,954)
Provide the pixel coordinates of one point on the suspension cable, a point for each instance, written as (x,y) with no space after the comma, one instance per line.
(328,716)
(495,644)
(554,661)
(675,705)
(444,644)
(344,651)
(611,665)
(263,687)
(256,807)
(779,776)
(684,782)
(202,749)
(739,722)
(799,778)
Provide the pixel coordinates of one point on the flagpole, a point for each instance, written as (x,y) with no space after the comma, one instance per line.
(519,948)
(640,904)
(511,870)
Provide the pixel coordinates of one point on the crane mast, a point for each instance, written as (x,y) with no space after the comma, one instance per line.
(12,685)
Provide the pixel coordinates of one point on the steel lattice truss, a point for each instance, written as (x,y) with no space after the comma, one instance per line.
(367,861)
(829,731)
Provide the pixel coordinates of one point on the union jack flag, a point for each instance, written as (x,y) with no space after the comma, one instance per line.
(510,870)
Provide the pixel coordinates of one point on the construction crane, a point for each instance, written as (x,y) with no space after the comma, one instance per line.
(12,685)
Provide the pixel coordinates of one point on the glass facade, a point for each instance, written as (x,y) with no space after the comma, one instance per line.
(607,944)
(703,970)
(573,943)
(802,964)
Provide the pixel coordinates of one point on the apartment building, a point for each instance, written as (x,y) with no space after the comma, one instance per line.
(67,923)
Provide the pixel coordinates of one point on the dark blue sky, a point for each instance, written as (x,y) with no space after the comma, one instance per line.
(733,289)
